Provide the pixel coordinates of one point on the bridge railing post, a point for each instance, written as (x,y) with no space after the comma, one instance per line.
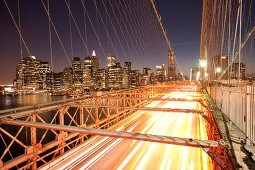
(33,143)
(81,123)
(96,118)
(61,135)
(108,114)
(117,111)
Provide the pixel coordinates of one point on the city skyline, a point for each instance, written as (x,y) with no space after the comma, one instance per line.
(38,45)
(118,84)
(87,75)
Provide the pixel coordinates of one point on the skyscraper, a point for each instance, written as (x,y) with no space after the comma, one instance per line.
(91,66)
(147,76)
(135,78)
(160,73)
(44,69)
(19,81)
(111,60)
(114,76)
(77,72)
(55,81)
(67,77)
(101,79)
(114,73)
(126,75)
(31,73)
(171,65)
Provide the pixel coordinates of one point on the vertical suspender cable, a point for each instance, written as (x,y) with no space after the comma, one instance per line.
(50,46)
(240,39)
(21,46)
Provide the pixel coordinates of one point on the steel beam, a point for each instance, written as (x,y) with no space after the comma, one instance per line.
(118,134)
(33,143)
(153,99)
(154,109)
(220,158)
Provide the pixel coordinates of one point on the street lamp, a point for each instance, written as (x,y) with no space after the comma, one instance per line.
(218,70)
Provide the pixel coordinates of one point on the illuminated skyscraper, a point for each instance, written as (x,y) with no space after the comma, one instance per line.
(67,77)
(44,69)
(135,78)
(111,60)
(19,81)
(171,66)
(160,73)
(55,80)
(126,75)
(114,76)
(91,66)
(114,73)
(77,72)
(31,73)
(147,76)
(101,79)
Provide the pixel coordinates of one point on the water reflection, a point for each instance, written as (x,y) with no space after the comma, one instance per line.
(10,101)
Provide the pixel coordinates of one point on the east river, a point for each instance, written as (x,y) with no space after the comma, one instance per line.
(15,101)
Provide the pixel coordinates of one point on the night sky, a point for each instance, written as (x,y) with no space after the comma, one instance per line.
(182,20)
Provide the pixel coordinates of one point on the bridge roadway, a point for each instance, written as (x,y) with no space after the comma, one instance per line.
(116,153)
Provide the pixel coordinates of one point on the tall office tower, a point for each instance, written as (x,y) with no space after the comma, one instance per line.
(126,75)
(19,81)
(114,76)
(147,76)
(101,79)
(135,78)
(44,69)
(31,73)
(67,78)
(160,73)
(91,66)
(171,65)
(111,60)
(77,72)
(55,80)
(58,80)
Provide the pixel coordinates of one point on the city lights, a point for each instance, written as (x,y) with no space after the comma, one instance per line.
(203,63)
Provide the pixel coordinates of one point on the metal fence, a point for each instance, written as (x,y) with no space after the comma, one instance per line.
(238,104)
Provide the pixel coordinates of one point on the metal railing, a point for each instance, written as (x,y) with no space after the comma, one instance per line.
(238,104)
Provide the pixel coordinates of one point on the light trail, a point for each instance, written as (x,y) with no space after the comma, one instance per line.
(113,153)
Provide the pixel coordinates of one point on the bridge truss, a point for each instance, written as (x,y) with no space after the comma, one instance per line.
(33,136)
